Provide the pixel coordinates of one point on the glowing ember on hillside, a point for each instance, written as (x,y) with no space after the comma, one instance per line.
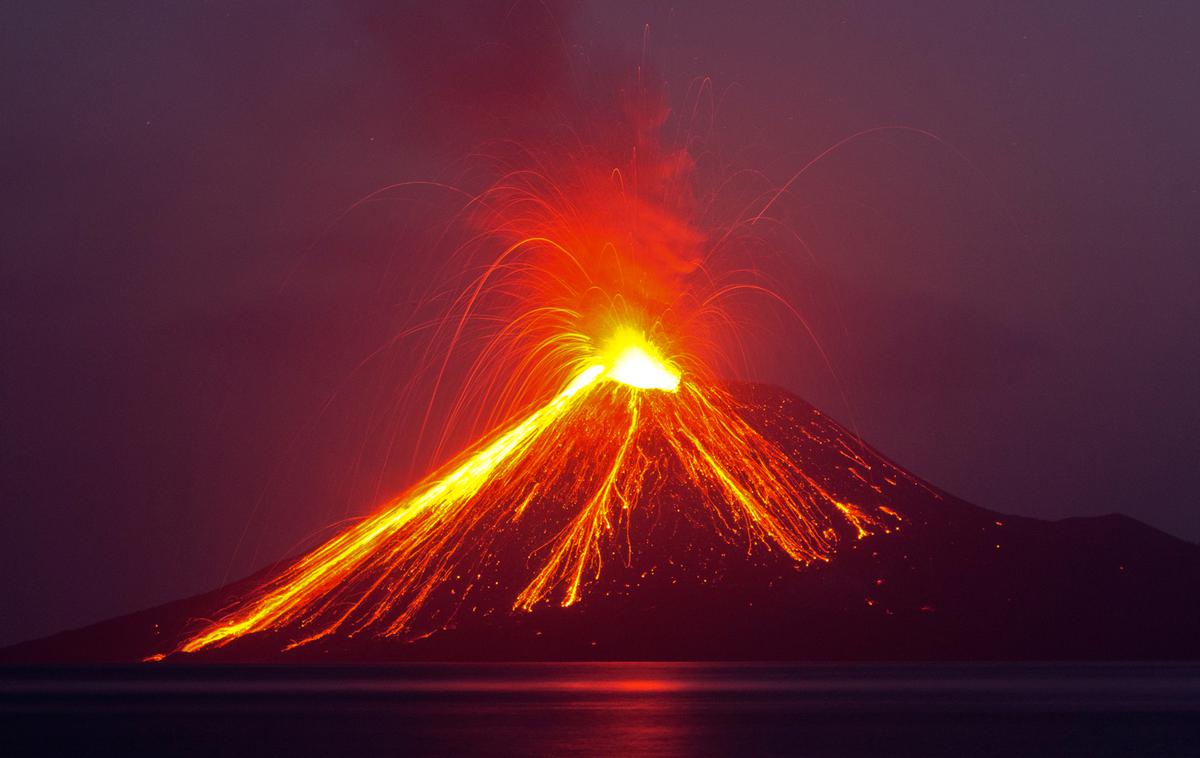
(599,311)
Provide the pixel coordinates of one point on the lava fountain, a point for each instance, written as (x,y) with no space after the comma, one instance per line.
(596,307)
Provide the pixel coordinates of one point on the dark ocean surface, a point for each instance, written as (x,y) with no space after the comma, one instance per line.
(617,709)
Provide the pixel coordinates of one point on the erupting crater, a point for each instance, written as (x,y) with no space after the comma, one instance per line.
(636,362)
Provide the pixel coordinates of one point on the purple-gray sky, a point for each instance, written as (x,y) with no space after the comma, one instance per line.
(1012,309)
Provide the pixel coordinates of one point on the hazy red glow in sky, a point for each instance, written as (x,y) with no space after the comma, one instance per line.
(1020,327)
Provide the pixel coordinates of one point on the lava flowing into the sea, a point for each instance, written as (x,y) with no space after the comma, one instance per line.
(597,285)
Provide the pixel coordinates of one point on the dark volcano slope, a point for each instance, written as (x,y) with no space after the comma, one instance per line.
(953,582)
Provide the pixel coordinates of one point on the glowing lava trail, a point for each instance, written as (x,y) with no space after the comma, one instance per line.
(382,571)
(603,429)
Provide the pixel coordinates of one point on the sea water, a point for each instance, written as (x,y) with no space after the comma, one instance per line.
(604,709)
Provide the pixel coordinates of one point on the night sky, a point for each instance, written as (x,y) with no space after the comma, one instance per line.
(1011,307)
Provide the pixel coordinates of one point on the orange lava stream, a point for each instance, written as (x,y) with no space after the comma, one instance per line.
(431,511)
(379,574)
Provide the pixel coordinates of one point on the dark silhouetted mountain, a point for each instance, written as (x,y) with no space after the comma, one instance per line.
(953,582)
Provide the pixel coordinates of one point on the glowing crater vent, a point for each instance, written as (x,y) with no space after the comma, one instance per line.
(632,360)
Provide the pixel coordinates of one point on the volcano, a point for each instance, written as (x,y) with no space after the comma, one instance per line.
(839,555)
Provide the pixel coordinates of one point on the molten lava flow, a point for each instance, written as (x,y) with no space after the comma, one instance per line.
(581,447)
